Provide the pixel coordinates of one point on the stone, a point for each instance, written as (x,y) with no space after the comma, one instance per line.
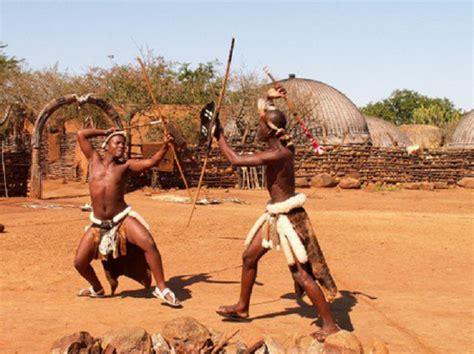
(216,336)
(79,342)
(427,186)
(2,228)
(441,185)
(411,186)
(307,344)
(349,183)
(378,347)
(160,345)
(126,340)
(186,334)
(302,182)
(466,182)
(323,180)
(342,342)
(273,346)
(235,348)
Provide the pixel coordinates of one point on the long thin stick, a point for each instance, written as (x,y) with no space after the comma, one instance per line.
(4,171)
(163,122)
(224,342)
(291,106)
(213,119)
(153,122)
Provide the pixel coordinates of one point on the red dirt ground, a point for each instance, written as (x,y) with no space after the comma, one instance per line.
(402,259)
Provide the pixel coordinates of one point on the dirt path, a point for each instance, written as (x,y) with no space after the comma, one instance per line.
(403,261)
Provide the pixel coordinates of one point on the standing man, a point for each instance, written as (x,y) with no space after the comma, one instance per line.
(285,223)
(117,235)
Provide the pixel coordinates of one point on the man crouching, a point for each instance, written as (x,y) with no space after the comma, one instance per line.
(117,235)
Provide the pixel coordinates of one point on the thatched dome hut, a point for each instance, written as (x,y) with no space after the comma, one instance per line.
(386,134)
(463,136)
(424,135)
(329,115)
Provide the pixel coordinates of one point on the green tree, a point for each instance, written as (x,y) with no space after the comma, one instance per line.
(411,107)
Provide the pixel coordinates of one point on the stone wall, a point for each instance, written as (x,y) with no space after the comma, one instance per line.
(373,164)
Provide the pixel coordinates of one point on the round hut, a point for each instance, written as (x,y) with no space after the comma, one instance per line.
(328,114)
(463,136)
(386,134)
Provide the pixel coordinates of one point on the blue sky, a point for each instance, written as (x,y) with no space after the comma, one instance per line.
(364,49)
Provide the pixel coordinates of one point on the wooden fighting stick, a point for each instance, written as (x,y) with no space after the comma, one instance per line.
(291,106)
(211,124)
(163,122)
(153,122)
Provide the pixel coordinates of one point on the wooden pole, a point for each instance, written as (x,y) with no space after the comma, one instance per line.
(163,122)
(213,119)
(294,113)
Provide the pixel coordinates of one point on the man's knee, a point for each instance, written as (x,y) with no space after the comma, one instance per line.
(300,276)
(249,259)
(79,264)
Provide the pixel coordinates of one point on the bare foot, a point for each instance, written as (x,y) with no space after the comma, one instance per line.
(234,313)
(324,332)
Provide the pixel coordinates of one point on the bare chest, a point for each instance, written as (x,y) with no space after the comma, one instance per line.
(99,174)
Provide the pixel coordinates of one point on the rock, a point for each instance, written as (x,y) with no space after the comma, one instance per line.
(427,186)
(2,228)
(273,346)
(323,180)
(378,347)
(411,186)
(79,342)
(441,185)
(342,342)
(466,182)
(235,348)
(262,350)
(349,183)
(216,336)
(160,345)
(307,344)
(186,334)
(125,340)
(302,182)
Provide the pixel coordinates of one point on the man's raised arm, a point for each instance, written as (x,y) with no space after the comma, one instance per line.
(83,137)
(144,165)
(258,159)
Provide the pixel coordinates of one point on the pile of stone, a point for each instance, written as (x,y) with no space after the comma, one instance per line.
(186,335)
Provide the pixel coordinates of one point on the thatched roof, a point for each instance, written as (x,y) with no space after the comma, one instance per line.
(424,135)
(330,116)
(463,136)
(386,134)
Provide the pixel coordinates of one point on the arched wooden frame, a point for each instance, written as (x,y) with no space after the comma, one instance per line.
(43,116)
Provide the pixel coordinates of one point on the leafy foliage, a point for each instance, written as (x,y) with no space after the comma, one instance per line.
(411,107)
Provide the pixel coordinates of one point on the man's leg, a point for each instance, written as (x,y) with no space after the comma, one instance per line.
(82,261)
(306,281)
(138,235)
(250,259)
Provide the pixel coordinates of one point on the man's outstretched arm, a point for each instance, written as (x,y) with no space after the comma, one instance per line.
(83,137)
(144,165)
(258,159)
